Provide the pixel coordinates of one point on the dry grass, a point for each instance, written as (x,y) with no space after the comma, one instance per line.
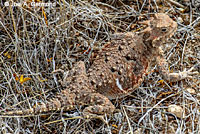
(34,46)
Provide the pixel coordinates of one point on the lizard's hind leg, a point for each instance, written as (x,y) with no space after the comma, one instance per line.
(98,105)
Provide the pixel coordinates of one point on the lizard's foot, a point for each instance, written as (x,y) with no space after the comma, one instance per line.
(90,113)
(98,110)
(187,73)
(173,77)
(100,106)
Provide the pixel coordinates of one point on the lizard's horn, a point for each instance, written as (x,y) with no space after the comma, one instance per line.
(148,29)
(147,22)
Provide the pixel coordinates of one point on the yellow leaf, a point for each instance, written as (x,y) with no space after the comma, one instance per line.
(43,80)
(7,55)
(17,78)
(170,70)
(161,81)
(114,125)
(137,29)
(45,17)
(50,59)
(22,79)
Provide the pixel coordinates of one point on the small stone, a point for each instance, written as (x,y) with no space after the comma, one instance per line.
(191,90)
(180,20)
(176,110)
(138,131)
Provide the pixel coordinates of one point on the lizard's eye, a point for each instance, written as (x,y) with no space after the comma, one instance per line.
(164,29)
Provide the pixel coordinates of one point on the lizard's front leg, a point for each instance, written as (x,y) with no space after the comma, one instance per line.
(172,77)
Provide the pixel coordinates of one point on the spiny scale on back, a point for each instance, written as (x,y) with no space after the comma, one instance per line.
(115,72)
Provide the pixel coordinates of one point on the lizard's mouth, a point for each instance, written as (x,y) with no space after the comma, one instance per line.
(149,36)
(153,37)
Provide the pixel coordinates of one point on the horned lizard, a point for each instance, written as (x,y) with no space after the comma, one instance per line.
(115,71)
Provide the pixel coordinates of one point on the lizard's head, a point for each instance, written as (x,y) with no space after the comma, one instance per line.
(160,27)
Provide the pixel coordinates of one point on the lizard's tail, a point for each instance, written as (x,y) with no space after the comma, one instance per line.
(63,100)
